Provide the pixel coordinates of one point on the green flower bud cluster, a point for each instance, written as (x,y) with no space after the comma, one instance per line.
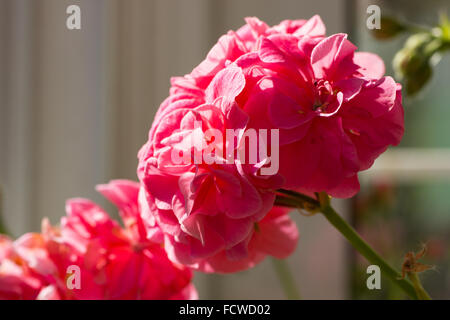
(413,64)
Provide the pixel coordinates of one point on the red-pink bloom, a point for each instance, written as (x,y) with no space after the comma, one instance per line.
(113,262)
(116,263)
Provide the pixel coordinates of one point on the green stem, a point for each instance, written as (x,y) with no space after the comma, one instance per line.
(414,28)
(286,278)
(365,250)
(351,235)
(420,291)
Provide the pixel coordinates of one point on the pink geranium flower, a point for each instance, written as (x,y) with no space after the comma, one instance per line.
(116,263)
(334,110)
(113,262)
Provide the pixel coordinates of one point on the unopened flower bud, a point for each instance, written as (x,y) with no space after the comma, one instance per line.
(413,62)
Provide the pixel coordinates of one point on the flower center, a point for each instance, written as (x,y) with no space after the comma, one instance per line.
(324,97)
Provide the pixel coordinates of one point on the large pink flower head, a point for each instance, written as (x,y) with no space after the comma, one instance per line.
(332,110)
(209,211)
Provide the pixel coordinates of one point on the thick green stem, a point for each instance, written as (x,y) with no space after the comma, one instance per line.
(287,281)
(350,234)
(420,291)
(365,250)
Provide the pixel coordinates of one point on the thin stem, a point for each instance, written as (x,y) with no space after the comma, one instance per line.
(411,27)
(293,199)
(286,202)
(286,278)
(420,291)
(296,195)
(414,28)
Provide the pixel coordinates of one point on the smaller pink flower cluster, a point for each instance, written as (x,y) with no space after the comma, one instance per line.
(113,262)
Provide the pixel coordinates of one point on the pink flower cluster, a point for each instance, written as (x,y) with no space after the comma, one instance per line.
(335,112)
(113,262)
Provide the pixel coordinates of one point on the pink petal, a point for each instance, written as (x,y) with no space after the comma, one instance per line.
(277,237)
(123,193)
(329,53)
(227,84)
(314,27)
(371,65)
(257,26)
(245,205)
(349,87)
(286,113)
(377,98)
(346,189)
